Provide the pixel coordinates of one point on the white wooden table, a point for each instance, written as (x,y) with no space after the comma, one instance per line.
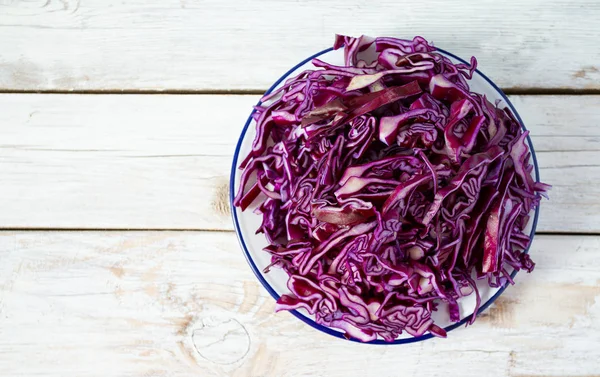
(117,125)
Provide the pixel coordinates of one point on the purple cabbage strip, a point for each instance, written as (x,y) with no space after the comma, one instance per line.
(386,186)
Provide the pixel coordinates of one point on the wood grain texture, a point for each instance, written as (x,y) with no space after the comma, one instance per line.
(238,44)
(163,161)
(182,304)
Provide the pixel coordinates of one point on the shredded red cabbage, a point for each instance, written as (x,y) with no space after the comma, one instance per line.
(385,185)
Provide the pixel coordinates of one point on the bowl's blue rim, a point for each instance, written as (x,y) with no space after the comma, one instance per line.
(311,322)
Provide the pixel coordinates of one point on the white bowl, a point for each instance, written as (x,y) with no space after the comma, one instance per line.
(275,281)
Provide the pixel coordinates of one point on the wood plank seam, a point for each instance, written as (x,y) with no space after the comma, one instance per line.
(260,91)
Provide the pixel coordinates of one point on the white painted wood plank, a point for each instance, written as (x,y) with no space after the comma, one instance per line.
(163,161)
(182,304)
(118,161)
(239,44)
